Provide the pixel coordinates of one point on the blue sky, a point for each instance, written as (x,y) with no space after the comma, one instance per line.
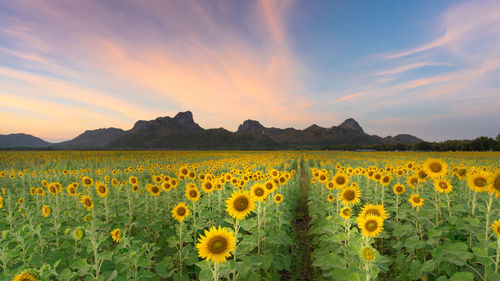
(428,68)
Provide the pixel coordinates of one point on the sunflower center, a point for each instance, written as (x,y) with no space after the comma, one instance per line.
(480,181)
(322,177)
(102,189)
(278,198)
(88,202)
(217,245)
(241,203)
(371,225)
(385,179)
(269,186)
(461,172)
(259,192)
(208,185)
(368,254)
(347,212)
(154,189)
(413,181)
(340,180)
(181,211)
(373,212)
(443,185)
(349,195)
(416,200)
(193,193)
(399,189)
(435,167)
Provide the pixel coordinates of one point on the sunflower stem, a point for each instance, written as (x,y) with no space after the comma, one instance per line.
(488,217)
(180,248)
(498,256)
(215,272)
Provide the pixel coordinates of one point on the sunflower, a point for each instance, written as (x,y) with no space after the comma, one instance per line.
(240,204)
(412,181)
(1,202)
(32,191)
(416,201)
(496,228)
(345,213)
(374,210)
(52,189)
(422,175)
(116,234)
(460,172)
(25,276)
(385,180)
(350,195)
(278,198)
(330,185)
(132,180)
(207,186)
(270,186)
(398,189)
(435,168)
(330,197)
(135,188)
(180,211)
(87,181)
(494,186)
(192,194)
(154,190)
(165,185)
(183,171)
(77,233)
(370,225)
(443,186)
(368,254)
(478,181)
(323,178)
(45,211)
(71,190)
(40,191)
(258,192)
(340,180)
(216,245)
(101,189)
(87,202)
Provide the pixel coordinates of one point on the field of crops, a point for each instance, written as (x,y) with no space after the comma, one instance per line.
(249,216)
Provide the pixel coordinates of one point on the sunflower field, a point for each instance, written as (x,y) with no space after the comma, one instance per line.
(288,215)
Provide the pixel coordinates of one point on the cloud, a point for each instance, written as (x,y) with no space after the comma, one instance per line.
(184,55)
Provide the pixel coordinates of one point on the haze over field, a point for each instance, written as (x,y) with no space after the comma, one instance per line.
(426,68)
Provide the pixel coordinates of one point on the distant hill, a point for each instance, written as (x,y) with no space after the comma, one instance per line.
(182,133)
(22,140)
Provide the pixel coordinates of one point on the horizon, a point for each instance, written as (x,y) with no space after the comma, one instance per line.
(429,69)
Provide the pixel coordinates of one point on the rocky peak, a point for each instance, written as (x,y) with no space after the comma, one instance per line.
(351,125)
(184,118)
(250,126)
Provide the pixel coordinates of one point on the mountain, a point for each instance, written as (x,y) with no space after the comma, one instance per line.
(182,133)
(22,140)
(93,138)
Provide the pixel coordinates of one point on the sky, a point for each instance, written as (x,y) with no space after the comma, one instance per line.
(427,68)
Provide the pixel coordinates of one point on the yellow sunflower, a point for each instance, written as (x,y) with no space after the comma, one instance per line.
(478,181)
(165,185)
(398,189)
(421,175)
(87,202)
(101,189)
(340,180)
(435,168)
(374,210)
(350,195)
(180,212)
(270,186)
(192,194)
(443,186)
(25,276)
(385,180)
(45,211)
(330,197)
(368,254)
(412,181)
(132,180)
(496,228)
(87,181)
(154,190)
(116,234)
(258,192)
(1,202)
(240,204)
(416,201)
(207,186)
(278,198)
(345,213)
(371,225)
(494,186)
(216,245)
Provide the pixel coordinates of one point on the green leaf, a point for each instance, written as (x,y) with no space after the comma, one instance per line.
(463,276)
(112,275)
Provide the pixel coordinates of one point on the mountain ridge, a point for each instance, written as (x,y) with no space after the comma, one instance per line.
(182,132)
